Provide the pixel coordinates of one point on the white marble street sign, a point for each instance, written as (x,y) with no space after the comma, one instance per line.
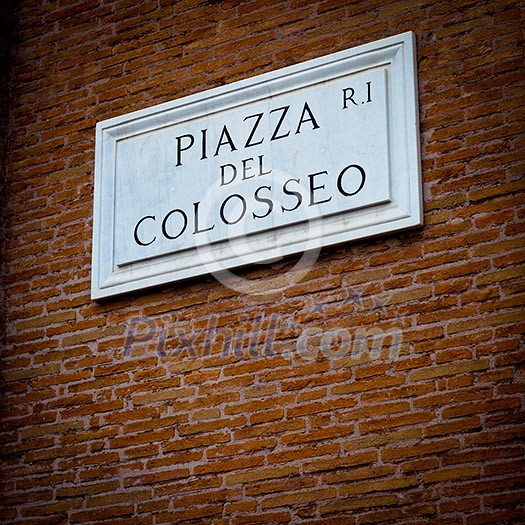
(311,155)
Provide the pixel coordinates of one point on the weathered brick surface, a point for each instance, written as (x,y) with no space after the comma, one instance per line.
(6,22)
(231,424)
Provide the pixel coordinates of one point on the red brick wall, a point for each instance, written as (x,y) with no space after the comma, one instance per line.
(6,23)
(194,402)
